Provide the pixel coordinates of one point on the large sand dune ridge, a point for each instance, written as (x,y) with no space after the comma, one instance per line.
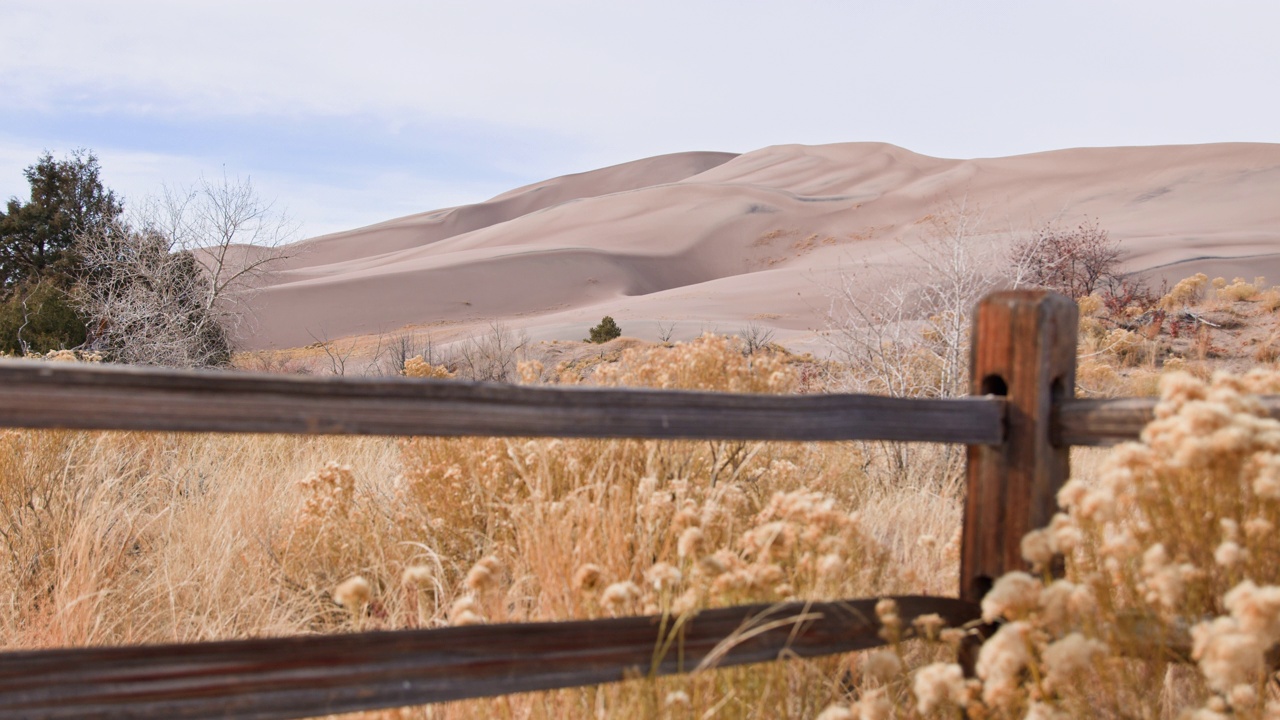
(717,241)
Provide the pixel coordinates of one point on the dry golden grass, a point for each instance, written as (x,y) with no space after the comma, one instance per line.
(125,538)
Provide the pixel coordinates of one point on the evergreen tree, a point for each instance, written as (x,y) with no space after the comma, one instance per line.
(605,331)
(38,260)
(37,238)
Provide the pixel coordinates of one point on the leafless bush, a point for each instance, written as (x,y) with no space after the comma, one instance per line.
(755,338)
(407,345)
(173,290)
(1074,261)
(913,340)
(665,332)
(337,353)
(492,356)
(270,361)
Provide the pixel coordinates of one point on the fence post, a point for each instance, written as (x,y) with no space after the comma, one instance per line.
(1024,348)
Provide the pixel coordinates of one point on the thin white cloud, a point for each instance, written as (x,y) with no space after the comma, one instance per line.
(355,200)
(617,81)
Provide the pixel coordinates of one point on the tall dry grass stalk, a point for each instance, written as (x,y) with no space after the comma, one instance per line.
(131,537)
(124,538)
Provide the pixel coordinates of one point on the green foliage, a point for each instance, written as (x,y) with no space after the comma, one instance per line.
(37,238)
(605,331)
(37,317)
(38,260)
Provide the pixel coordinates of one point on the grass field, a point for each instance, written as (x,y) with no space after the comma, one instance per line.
(114,538)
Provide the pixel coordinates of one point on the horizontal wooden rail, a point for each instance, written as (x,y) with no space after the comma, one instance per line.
(1106,422)
(322,674)
(104,397)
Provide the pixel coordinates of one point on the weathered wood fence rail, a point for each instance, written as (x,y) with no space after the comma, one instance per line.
(1018,426)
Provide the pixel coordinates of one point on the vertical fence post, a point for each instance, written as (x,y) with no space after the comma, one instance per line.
(1024,348)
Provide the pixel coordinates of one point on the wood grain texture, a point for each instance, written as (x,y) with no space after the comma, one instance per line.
(316,675)
(88,397)
(1024,347)
(1107,422)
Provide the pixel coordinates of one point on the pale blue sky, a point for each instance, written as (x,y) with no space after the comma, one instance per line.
(350,113)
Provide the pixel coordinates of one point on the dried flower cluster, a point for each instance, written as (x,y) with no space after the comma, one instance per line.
(132,537)
(416,367)
(710,362)
(1177,527)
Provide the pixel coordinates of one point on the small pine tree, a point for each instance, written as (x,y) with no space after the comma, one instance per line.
(605,331)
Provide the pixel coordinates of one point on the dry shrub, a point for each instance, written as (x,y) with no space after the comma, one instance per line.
(1097,378)
(491,356)
(1187,292)
(543,529)
(135,537)
(1074,261)
(1129,348)
(162,537)
(270,361)
(1268,350)
(1090,306)
(323,537)
(1177,531)
(416,367)
(710,363)
(1269,300)
(1239,290)
(1178,527)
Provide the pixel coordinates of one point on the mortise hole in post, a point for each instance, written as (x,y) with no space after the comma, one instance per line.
(980,586)
(994,385)
(1057,389)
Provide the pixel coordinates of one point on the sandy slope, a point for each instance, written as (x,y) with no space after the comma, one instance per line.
(716,241)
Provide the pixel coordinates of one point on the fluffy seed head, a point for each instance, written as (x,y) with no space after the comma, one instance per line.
(483,575)
(882,666)
(1069,656)
(587,578)
(662,576)
(1013,596)
(417,575)
(619,595)
(353,593)
(938,684)
(690,543)
(1001,662)
(836,712)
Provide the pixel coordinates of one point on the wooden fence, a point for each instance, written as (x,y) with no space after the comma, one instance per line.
(1018,425)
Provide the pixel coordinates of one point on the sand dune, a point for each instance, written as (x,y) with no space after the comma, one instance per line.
(717,241)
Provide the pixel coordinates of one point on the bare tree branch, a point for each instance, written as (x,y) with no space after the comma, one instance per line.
(174,289)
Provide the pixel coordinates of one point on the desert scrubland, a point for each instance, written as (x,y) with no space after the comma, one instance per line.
(716,241)
(117,538)
(831,269)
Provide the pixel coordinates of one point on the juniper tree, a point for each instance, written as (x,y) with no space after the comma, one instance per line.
(605,331)
(38,259)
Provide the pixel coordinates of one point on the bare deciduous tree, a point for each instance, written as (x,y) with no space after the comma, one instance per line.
(1074,261)
(493,356)
(912,340)
(404,346)
(336,355)
(173,289)
(755,338)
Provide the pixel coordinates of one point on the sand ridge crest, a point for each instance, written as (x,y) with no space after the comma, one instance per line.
(718,239)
